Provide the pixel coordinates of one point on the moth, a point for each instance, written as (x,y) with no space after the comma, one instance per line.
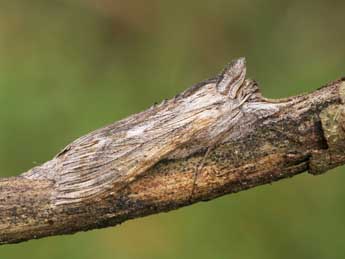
(196,120)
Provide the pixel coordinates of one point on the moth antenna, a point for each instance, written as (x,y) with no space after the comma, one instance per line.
(232,78)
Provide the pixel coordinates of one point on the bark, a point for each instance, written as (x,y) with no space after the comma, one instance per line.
(218,137)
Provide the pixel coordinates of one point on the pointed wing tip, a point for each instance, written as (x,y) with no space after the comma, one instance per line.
(232,77)
(236,67)
(239,63)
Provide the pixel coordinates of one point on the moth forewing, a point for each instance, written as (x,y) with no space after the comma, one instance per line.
(115,156)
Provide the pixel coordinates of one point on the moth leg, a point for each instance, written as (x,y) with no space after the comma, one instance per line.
(213,145)
(202,163)
(199,168)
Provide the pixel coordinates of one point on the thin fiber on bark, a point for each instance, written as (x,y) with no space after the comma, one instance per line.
(217,137)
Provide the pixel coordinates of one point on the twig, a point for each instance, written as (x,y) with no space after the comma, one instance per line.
(146,163)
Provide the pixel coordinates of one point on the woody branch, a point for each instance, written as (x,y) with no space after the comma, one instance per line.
(281,139)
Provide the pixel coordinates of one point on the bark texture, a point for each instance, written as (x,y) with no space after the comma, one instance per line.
(218,137)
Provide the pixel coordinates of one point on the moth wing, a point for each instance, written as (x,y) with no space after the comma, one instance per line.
(232,78)
(111,158)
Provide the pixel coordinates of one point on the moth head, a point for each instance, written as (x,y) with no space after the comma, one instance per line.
(232,78)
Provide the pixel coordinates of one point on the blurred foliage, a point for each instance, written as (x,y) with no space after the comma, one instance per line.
(68,67)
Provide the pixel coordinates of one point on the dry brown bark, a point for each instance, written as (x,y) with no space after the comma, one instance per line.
(218,137)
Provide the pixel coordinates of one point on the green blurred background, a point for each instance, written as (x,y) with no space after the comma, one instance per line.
(70,66)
